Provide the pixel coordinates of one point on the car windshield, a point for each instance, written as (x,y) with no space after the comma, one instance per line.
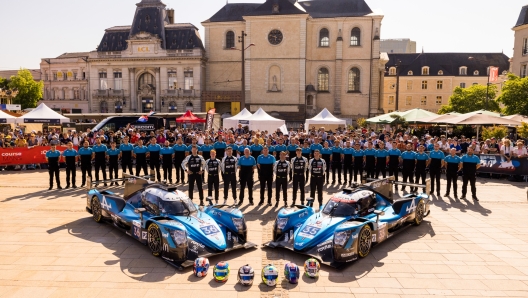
(336,208)
(177,207)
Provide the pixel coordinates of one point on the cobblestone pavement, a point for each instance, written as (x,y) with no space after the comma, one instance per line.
(50,247)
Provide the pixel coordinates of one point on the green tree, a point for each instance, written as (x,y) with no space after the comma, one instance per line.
(515,95)
(4,83)
(497,132)
(522,130)
(361,122)
(466,100)
(29,91)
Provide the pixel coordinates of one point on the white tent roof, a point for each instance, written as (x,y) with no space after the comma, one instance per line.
(232,122)
(324,117)
(263,121)
(6,118)
(42,114)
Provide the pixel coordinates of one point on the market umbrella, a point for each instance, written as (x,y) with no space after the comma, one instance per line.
(481,119)
(385,118)
(440,118)
(483,112)
(517,117)
(189,117)
(415,115)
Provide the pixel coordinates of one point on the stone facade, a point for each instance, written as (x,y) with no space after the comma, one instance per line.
(520,47)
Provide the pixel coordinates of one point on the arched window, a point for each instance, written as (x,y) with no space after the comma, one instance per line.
(440,72)
(425,71)
(172,106)
(410,73)
(146,79)
(104,107)
(230,39)
(353,80)
(189,106)
(355,37)
(118,107)
(392,71)
(322,80)
(324,38)
(310,102)
(476,73)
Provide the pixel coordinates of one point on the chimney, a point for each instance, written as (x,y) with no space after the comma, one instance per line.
(170,15)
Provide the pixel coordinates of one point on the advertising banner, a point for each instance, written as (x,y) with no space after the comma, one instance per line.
(26,156)
(49,121)
(497,164)
(210,118)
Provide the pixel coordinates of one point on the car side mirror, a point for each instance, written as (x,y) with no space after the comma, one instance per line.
(139,210)
(310,202)
(378,214)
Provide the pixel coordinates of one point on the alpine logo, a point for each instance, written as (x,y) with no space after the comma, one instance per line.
(411,208)
(105,204)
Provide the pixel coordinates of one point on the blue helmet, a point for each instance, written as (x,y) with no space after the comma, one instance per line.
(201,266)
(221,272)
(270,274)
(292,273)
(246,274)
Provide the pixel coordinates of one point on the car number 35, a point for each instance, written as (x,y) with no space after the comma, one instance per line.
(208,230)
(310,230)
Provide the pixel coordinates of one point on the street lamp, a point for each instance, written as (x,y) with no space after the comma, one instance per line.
(242,39)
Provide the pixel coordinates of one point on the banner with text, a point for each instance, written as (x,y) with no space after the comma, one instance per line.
(26,156)
(497,164)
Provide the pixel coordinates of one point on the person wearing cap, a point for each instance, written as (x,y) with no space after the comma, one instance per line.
(179,155)
(452,163)
(71,158)
(53,157)
(382,159)
(194,165)
(317,169)
(112,155)
(140,154)
(212,166)
(281,169)
(246,165)
(265,164)
(470,163)
(299,166)
(228,166)
(100,159)
(125,153)
(370,160)
(154,157)
(435,168)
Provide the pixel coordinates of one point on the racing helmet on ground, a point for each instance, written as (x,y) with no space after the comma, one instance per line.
(201,267)
(270,274)
(292,273)
(311,268)
(221,272)
(246,275)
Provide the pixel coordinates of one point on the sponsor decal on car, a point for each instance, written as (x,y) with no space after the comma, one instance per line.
(411,208)
(346,255)
(136,223)
(168,259)
(144,235)
(327,246)
(299,244)
(165,235)
(309,231)
(105,205)
(166,247)
(209,230)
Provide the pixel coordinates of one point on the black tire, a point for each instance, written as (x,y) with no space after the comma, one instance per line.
(154,240)
(419,213)
(97,211)
(364,241)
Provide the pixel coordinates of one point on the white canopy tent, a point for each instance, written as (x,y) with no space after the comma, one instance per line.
(262,121)
(232,122)
(42,115)
(325,119)
(6,118)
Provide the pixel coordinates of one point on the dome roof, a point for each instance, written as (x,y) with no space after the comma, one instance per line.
(310,87)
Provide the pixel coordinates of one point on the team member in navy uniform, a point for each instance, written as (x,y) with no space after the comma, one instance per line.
(246,166)
(452,162)
(336,159)
(228,165)
(279,148)
(256,150)
(317,169)
(435,168)
(359,159)
(220,147)
(140,154)
(281,169)
(299,165)
(125,152)
(370,160)
(179,156)
(409,163)
(394,161)
(100,159)
(265,164)
(212,166)
(382,159)
(53,157)
(470,164)
(167,155)
(86,153)
(154,157)
(422,161)
(71,162)
(194,165)
(347,161)
(292,149)
(113,162)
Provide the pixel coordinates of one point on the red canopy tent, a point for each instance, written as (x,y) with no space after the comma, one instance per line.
(189,117)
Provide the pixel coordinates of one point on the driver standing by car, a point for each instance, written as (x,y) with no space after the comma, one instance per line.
(194,165)
(299,166)
(281,169)
(317,169)
(229,170)
(212,166)
(52,157)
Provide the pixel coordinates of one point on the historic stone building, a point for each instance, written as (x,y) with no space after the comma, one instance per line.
(300,57)
(427,80)
(154,64)
(520,47)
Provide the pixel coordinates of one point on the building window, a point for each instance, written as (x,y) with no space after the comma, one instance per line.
(54,76)
(425,71)
(440,72)
(391,99)
(75,76)
(173,80)
(46,76)
(423,100)
(424,85)
(409,85)
(525,46)
(462,71)
(76,94)
(118,107)
(230,39)
(324,38)
(189,106)
(104,107)
(439,100)
(146,79)
(439,85)
(103,85)
(392,71)
(189,80)
(410,73)
(353,80)
(118,80)
(172,106)
(475,84)
(309,102)
(322,80)
(523,70)
(408,100)
(355,37)
(462,85)
(390,111)
(476,73)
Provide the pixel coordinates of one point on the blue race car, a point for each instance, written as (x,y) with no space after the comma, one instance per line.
(169,223)
(350,223)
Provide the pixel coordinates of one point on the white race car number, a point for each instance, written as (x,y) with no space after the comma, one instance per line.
(309,231)
(209,230)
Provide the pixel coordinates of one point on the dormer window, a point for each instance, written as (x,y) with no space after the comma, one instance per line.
(476,73)
(410,73)
(275,8)
(440,72)
(425,71)
(462,71)
(392,71)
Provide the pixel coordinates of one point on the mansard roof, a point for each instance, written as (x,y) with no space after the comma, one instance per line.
(336,8)
(523,17)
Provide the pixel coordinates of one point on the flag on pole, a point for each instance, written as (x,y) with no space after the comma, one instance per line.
(493,74)
(144,119)
(210,118)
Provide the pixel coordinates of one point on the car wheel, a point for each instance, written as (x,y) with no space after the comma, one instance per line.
(97,212)
(419,213)
(154,241)
(365,241)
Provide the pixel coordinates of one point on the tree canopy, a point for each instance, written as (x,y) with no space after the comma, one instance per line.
(466,100)
(515,95)
(29,91)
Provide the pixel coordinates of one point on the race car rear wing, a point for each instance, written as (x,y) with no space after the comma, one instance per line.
(385,186)
(132,183)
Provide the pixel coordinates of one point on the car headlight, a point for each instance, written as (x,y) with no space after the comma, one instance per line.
(239,223)
(340,238)
(179,237)
(281,223)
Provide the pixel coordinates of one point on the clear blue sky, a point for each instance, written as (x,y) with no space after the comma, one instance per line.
(35,29)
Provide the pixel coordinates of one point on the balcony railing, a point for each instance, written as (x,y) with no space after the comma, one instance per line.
(180,93)
(109,93)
